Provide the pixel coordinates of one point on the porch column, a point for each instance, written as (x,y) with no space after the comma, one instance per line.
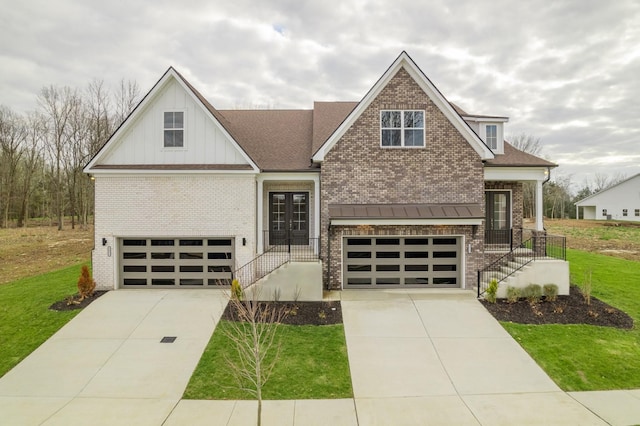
(539,206)
(260,236)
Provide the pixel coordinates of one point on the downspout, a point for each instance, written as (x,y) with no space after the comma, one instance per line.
(328,286)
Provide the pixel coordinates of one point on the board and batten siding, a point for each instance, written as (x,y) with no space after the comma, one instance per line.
(203,205)
(204,139)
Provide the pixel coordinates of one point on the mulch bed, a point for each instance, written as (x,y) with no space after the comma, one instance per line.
(64,305)
(298,313)
(570,309)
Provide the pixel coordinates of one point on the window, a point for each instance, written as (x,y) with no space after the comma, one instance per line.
(402,128)
(492,136)
(173,129)
(637,212)
(624,212)
(604,212)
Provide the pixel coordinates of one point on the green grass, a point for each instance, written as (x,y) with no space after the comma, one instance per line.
(312,364)
(25,319)
(582,357)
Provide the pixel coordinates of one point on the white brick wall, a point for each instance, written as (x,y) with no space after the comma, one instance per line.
(171,206)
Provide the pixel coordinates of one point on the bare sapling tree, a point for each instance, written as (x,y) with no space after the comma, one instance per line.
(13,133)
(32,160)
(57,104)
(255,338)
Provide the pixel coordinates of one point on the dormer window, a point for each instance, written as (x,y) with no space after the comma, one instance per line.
(491,133)
(492,136)
(174,129)
(402,128)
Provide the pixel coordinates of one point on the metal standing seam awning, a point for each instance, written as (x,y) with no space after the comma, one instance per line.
(406,214)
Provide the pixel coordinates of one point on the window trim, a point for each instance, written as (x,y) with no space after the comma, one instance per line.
(625,212)
(402,129)
(486,130)
(637,212)
(184,130)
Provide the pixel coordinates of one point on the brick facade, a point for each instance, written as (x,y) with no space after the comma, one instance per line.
(358,170)
(171,206)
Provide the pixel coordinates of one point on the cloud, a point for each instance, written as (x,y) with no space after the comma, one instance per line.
(565,71)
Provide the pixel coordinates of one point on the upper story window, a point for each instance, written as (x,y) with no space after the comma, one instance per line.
(402,128)
(174,129)
(492,136)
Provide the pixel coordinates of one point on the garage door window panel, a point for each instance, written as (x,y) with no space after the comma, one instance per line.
(396,261)
(176,262)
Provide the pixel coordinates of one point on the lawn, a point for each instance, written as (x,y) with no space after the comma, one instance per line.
(25,319)
(312,364)
(581,357)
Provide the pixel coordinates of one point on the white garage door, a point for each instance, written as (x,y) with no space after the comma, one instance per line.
(176,262)
(388,262)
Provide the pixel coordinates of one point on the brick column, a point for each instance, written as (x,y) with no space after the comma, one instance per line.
(539,240)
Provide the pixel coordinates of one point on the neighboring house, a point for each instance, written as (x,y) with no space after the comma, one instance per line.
(618,202)
(401,189)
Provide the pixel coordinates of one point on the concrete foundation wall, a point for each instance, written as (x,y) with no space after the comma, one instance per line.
(540,272)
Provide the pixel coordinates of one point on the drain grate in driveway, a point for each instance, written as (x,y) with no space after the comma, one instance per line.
(168,339)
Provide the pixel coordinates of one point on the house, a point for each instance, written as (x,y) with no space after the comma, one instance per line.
(401,189)
(618,202)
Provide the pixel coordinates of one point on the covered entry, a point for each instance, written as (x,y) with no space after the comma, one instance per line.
(420,261)
(175,262)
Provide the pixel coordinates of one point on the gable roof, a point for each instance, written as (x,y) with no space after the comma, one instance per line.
(607,189)
(170,74)
(404,61)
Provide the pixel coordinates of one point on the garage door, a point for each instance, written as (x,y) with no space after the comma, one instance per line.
(177,262)
(386,262)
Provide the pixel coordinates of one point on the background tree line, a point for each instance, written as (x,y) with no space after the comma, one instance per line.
(42,152)
(559,199)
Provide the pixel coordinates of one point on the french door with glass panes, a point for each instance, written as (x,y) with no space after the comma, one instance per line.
(289,218)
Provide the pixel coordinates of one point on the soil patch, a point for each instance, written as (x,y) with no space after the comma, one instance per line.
(570,309)
(64,305)
(298,313)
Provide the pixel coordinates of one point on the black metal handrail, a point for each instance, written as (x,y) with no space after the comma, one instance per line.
(537,247)
(281,251)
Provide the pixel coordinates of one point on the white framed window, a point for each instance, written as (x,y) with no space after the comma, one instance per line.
(624,212)
(604,212)
(492,136)
(174,129)
(402,128)
(637,212)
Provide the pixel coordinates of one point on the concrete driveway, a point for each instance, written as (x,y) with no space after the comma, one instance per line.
(108,366)
(441,358)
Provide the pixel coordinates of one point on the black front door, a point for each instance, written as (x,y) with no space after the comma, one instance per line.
(289,218)
(498,218)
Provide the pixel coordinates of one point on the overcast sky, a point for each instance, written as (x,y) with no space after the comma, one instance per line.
(567,72)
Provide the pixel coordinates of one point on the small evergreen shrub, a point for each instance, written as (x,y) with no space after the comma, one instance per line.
(550,292)
(513,294)
(86,285)
(533,293)
(492,291)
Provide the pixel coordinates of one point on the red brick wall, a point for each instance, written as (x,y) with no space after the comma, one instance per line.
(358,170)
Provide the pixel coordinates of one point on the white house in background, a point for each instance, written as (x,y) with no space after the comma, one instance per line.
(619,202)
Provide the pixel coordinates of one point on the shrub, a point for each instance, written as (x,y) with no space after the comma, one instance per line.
(550,292)
(513,294)
(236,290)
(492,291)
(533,293)
(86,285)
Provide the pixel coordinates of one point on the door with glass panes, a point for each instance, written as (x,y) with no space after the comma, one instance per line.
(288,218)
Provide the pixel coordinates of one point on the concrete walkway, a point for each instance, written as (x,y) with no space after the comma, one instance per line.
(107,366)
(441,358)
(425,358)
